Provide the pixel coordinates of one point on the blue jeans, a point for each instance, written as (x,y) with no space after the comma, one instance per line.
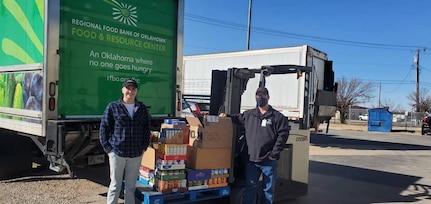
(268,169)
(127,168)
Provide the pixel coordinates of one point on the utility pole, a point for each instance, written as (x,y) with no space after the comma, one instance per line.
(380,91)
(250,2)
(416,60)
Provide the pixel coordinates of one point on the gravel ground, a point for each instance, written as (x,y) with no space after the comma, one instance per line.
(42,185)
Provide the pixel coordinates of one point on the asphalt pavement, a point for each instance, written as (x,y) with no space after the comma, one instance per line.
(361,167)
(368,167)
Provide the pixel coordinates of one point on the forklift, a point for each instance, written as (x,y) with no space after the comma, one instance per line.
(227,87)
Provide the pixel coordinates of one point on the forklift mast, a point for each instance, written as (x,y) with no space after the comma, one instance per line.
(227,87)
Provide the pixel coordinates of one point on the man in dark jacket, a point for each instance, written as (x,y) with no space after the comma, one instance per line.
(125,135)
(266,133)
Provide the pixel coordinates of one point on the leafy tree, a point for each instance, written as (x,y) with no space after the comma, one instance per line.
(352,93)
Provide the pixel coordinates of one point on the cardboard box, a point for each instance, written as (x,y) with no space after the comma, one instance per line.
(185,135)
(200,158)
(146,173)
(169,177)
(217,181)
(149,158)
(214,132)
(172,149)
(217,185)
(171,136)
(152,159)
(170,167)
(171,186)
(195,175)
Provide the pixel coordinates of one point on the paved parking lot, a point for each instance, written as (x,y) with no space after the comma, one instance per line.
(348,166)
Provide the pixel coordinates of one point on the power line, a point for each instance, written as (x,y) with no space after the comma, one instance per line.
(424,68)
(242,27)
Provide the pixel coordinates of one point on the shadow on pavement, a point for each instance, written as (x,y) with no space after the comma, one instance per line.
(98,174)
(328,140)
(358,185)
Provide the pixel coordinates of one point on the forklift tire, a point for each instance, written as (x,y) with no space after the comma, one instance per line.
(237,194)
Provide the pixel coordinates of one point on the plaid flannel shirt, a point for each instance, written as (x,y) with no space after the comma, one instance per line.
(120,133)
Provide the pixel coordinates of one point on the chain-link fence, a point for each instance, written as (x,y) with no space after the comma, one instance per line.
(399,119)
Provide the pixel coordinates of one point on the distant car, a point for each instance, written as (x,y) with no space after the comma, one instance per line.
(426,124)
(190,108)
(363,117)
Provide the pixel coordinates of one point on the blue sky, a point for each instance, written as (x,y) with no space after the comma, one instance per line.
(372,40)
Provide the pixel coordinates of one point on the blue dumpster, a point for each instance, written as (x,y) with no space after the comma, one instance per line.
(379,120)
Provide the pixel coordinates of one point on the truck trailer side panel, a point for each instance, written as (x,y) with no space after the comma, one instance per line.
(21,64)
(67,59)
(99,50)
(62,62)
(286,91)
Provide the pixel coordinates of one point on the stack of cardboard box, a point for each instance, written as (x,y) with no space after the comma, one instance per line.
(209,152)
(203,147)
(163,164)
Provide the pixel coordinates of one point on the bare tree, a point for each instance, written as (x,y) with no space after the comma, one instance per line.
(386,103)
(424,100)
(351,93)
(390,105)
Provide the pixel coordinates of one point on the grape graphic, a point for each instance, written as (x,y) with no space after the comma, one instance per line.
(27,84)
(36,89)
(32,104)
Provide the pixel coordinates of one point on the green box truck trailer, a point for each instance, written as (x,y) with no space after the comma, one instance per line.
(61,62)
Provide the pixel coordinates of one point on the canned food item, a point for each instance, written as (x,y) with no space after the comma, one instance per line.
(169,162)
(163,185)
(171,184)
(176,183)
(183,183)
(184,152)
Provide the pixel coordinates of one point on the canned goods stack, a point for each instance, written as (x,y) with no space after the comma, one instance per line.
(170,168)
(207,159)
(166,157)
(146,175)
(209,152)
(208,178)
(219,177)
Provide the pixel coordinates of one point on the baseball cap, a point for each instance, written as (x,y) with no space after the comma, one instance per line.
(262,90)
(130,82)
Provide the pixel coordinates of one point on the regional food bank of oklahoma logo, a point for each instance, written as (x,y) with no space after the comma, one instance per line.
(124,13)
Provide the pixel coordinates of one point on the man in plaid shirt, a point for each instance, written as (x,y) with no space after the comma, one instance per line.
(125,135)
